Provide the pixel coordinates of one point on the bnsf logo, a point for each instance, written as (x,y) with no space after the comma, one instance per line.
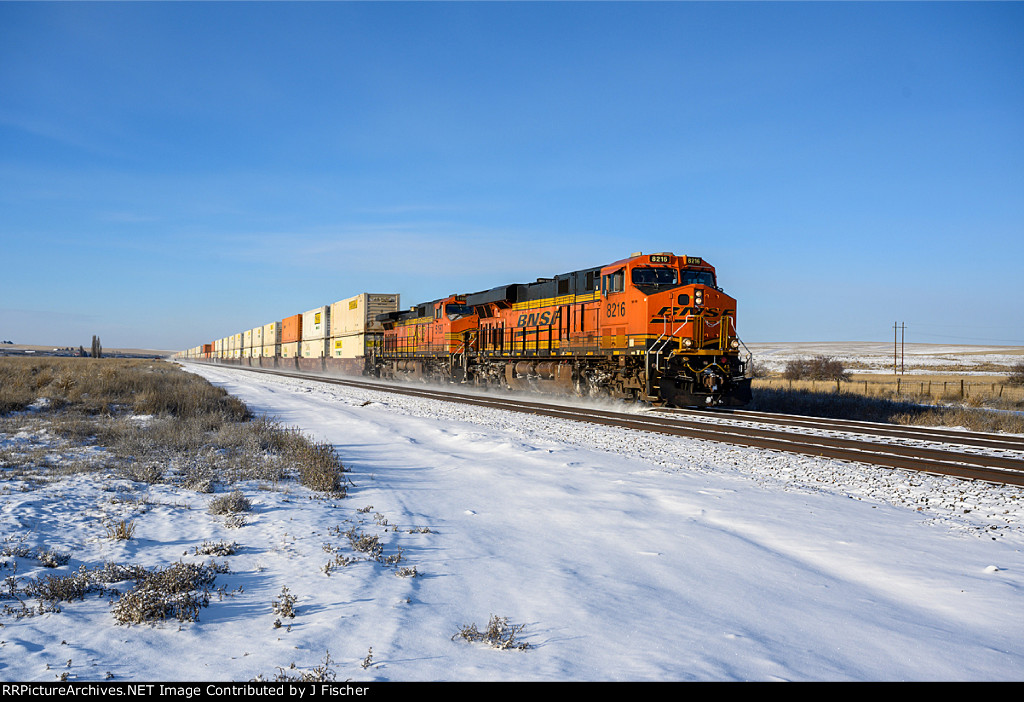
(685,311)
(537,319)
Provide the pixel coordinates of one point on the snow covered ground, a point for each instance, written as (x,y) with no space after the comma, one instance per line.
(623,556)
(869,357)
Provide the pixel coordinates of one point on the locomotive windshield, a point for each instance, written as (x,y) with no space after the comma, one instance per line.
(698,278)
(655,276)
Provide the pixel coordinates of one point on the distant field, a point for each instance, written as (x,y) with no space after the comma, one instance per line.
(929,374)
(871,358)
(35,348)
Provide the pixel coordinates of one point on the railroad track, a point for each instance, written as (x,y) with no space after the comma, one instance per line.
(987,457)
(1004,442)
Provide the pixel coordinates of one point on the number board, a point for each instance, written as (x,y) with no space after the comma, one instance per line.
(694,261)
(661,259)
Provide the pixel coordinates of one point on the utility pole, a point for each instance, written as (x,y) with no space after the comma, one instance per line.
(898,345)
(899,336)
(903,329)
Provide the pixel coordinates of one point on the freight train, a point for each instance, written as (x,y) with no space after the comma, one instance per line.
(654,328)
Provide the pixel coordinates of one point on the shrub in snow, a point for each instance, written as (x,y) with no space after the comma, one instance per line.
(178,591)
(319,468)
(122,531)
(321,673)
(231,503)
(284,605)
(499,634)
(365,543)
(218,548)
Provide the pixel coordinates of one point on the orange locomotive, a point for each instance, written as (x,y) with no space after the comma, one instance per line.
(654,328)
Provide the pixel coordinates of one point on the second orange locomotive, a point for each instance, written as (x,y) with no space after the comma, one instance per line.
(655,328)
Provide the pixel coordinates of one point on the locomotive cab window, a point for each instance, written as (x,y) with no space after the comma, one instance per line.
(615,283)
(455,311)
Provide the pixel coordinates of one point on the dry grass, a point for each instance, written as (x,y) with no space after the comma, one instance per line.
(990,391)
(155,422)
(121,531)
(109,386)
(179,591)
(822,400)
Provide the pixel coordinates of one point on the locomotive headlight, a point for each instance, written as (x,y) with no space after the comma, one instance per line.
(687,343)
(734,344)
(698,297)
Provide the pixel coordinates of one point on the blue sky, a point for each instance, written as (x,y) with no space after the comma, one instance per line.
(174,173)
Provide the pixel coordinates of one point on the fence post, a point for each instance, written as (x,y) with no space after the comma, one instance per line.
(961,388)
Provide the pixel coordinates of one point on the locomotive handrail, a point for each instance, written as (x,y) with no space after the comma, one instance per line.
(647,354)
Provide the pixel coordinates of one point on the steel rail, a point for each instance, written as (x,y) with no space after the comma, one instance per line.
(948,436)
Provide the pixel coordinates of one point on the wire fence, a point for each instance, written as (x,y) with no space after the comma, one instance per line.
(980,391)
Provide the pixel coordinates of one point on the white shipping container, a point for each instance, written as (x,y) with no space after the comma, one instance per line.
(316,323)
(247,339)
(358,314)
(257,342)
(271,350)
(272,334)
(314,349)
(353,345)
(290,350)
